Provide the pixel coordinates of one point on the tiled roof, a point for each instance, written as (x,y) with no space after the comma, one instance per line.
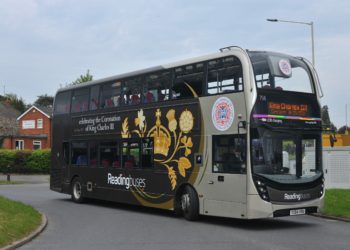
(8,120)
(46,110)
(7,111)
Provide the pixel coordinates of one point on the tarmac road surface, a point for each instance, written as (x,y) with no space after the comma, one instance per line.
(105,225)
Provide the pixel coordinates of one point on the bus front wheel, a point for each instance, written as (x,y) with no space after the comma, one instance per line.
(189,204)
(77,190)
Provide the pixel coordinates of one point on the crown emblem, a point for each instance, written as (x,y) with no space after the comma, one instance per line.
(162,140)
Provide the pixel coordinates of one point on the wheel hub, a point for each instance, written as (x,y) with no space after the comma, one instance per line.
(185,202)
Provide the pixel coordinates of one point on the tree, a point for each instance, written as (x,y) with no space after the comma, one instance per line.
(15,101)
(326,121)
(83,78)
(44,100)
(343,129)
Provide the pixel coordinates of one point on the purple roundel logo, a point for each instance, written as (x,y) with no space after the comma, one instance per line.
(285,67)
(222,113)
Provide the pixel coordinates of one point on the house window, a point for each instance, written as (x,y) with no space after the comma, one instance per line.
(19,144)
(39,123)
(28,124)
(36,145)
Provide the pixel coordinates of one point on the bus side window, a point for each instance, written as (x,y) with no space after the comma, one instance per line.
(228,154)
(224,75)
(80,100)
(62,103)
(147,153)
(79,154)
(188,81)
(131,154)
(109,155)
(110,95)
(132,91)
(157,87)
(94,95)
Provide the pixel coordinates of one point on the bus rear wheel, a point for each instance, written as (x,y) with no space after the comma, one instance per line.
(189,204)
(77,190)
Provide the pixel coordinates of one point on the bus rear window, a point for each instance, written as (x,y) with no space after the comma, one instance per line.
(62,103)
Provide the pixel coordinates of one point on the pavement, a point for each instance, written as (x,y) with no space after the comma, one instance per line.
(27,179)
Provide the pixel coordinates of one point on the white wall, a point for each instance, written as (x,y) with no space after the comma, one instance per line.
(336,166)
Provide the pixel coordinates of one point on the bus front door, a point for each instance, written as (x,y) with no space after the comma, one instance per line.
(225,178)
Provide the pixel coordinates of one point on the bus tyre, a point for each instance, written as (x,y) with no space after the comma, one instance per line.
(189,204)
(77,190)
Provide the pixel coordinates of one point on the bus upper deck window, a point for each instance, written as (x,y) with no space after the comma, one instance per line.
(132,91)
(188,81)
(110,95)
(80,100)
(156,87)
(94,95)
(62,103)
(224,75)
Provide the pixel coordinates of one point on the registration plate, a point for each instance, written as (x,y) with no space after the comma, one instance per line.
(297,211)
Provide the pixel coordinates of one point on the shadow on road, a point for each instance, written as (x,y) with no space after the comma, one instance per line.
(284,223)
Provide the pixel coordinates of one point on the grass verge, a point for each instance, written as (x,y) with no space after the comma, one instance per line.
(337,203)
(17,220)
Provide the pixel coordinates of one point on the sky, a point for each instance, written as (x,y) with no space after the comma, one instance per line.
(45,44)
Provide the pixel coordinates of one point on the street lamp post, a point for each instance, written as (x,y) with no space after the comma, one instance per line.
(311,24)
(346,119)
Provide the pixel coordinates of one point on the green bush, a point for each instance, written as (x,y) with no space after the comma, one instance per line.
(7,158)
(39,161)
(24,161)
(20,163)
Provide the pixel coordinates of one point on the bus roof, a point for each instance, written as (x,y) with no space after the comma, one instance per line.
(222,53)
(154,69)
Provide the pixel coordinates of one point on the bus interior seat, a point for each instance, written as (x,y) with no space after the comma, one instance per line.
(116,164)
(135,99)
(149,97)
(109,103)
(93,162)
(105,163)
(161,97)
(129,164)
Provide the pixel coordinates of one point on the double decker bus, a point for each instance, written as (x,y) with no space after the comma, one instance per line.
(235,134)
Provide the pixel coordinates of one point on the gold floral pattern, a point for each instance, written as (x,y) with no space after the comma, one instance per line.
(182,164)
(171,119)
(166,138)
(186,121)
(125,128)
(187,142)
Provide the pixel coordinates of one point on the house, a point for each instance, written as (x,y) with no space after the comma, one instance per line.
(8,125)
(34,129)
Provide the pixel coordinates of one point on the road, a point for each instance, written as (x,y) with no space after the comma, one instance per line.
(104,225)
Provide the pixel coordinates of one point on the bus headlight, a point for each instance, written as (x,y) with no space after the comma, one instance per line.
(262,190)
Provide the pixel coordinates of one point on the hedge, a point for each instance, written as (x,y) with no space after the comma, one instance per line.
(25,161)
